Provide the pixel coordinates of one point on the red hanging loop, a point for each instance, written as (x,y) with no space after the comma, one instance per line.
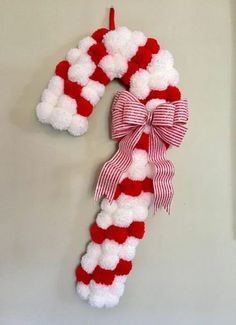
(112,18)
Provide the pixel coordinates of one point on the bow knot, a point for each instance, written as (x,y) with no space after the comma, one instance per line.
(167,126)
(149,117)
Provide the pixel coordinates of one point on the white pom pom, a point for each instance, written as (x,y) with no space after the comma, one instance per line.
(139,84)
(94,249)
(159,80)
(89,262)
(130,49)
(132,241)
(120,64)
(116,40)
(162,73)
(122,217)
(174,77)
(56,85)
(114,66)
(138,38)
(124,42)
(120,279)
(96,300)
(43,112)
(78,125)
(117,287)
(103,220)
(108,66)
(68,103)
(82,290)
(49,97)
(93,91)
(108,261)
(97,87)
(81,71)
(137,172)
(98,288)
(60,118)
(90,95)
(111,300)
(110,247)
(162,61)
(140,157)
(145,199)
(128,249)
(98,294)
(126,201)
(86,43)
(153,103)
(73,55)
(107,206)
(127,253)
(140,212)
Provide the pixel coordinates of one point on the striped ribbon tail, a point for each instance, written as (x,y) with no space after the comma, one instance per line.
(162,181)
(116,166)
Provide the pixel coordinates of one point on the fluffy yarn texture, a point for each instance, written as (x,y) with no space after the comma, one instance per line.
(115,235)
(79,81)
(77,86)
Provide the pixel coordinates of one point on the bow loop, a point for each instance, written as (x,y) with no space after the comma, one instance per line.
(181,111)
(127,114)
(163,115)
(134,113)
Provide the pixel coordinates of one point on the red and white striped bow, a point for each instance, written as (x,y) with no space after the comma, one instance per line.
(167,126)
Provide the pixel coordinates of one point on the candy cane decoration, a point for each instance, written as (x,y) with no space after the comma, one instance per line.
(77,86)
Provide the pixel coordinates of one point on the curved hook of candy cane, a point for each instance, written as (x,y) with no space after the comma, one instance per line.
(80,80)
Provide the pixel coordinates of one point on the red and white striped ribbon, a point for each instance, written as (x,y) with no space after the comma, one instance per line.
(167,126)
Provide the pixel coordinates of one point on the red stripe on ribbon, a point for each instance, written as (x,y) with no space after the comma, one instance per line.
(167,126)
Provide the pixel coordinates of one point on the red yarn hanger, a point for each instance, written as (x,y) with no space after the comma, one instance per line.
(112,18)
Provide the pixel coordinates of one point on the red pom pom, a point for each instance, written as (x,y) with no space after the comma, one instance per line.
(72,89)
(152,45)
(84,107)
(103,276)
(119,234)
(137,229)
(97,233)
(143,142)
(148,185)
(82,275)
(173,94)
(99,75)
(123,267)
(143,57)
(117,192)
(160,94)
(132,68)
(62,69)
(130,187)
(99,33)
(97,52)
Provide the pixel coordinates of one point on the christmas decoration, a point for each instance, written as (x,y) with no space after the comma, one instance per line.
(147,118)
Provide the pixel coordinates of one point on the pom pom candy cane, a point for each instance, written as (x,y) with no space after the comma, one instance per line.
(147,118)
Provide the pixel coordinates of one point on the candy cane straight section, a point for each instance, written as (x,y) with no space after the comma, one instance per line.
(116,233)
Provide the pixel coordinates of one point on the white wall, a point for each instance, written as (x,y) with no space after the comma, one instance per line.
(185,268)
